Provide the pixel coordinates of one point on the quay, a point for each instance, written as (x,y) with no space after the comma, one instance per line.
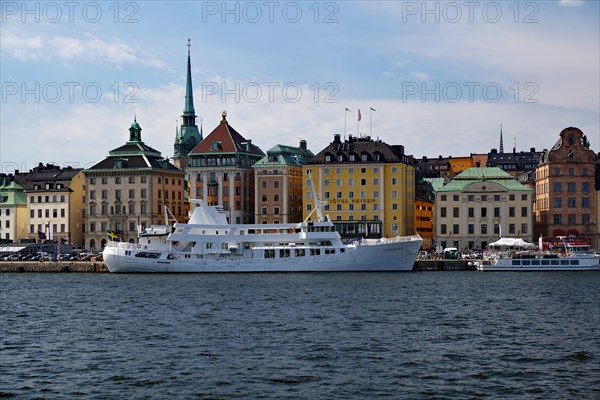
(52,266)
(98,266)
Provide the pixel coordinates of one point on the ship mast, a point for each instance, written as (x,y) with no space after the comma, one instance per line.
(317,200)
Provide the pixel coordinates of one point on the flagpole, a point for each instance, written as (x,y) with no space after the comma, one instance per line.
(371,121)
(345,118)
(357,124)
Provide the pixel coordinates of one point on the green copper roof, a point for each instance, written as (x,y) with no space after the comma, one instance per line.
(282,155)
(12,194)
(474,175)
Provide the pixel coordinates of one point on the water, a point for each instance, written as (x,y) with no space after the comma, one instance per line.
(430,335)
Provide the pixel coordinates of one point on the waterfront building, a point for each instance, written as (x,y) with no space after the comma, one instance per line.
(369,187)
(515,163)
(13,210)
(424,203)
(278,183)
(565,179)
(187,136)
(128,190)
(479,206)
(54,203)
(220,172)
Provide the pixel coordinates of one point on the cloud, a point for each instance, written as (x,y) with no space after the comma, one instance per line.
(571,3)
(24,46)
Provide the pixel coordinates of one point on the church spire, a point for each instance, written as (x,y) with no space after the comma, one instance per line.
(501,143)
(188,110)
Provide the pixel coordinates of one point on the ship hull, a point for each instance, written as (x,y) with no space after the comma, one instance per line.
(397,256)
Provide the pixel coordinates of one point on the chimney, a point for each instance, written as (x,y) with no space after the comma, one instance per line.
(336,138)
(303,144)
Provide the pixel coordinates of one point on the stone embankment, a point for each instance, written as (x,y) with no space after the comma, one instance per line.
(47,266)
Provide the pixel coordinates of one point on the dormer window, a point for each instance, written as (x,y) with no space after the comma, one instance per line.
(327,158)
(215,145)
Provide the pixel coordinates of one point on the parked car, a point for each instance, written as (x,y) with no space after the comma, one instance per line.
(451,253)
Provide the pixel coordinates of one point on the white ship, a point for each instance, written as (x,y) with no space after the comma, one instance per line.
(208,243)
(574,258)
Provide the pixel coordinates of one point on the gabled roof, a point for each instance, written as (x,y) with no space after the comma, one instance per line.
(474,175)
(282,155)
(227,140)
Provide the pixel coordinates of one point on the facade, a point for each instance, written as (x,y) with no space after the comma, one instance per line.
(221,173)
(479,206)
(54,203)
(278,183)
(565,181)
(515,163)
(13,211)
(188,136)
(130,188)
(424,221)
(369,187)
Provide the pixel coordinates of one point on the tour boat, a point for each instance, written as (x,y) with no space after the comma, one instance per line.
(208,243)
(574,258)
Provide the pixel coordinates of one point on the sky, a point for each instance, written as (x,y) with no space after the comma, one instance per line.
(442,76)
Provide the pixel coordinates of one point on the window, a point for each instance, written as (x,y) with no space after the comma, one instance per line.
(104,194)
(585,202)
(117,180)
(394,206)
(455,229)
(443,212)
(558,219)
(376,194)
(131,208)
(92,209)
(363,182)
(571,171)
(92,181)
(557,187)
(571,219)
(484,229)
(511,211)
(375,181)
(338,182)
(496,212)
(443,229)
(585,187)
(443,197)
(131,179)
(483,212)
(143,193)
(523,211)
(350,182)
(394,181)
(511,228)
(92,194)
(62,212)
(511,197)
(455,212)
(471,229)
(338,207)
(39,213)
(523,228)
(484,197)
(557,202)
(571,202)
(326,182)
(338,195)
(104,209)
(104,181)
(585,218)
(93,227)
(276,210)
(31,213)
(276,184)
(144,179)
(524,197)
(394,194)
(143,208)
(585,172)
(571,186)
(62,228)
(363,194)
(455,197)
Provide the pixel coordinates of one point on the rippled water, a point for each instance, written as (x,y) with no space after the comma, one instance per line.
(436,335)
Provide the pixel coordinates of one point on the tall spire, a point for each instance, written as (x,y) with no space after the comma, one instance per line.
(501,143)
(188,110)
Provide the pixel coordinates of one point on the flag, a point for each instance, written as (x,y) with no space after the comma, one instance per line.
(41,235)
(359,114)
(347,109)
(112,236)
(372,109)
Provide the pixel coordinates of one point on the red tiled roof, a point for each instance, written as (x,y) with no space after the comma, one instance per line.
(230,141)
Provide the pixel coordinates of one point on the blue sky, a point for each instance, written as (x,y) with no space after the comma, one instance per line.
(442,76)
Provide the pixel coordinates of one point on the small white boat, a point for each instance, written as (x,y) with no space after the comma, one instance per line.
(575,258)
(208,243)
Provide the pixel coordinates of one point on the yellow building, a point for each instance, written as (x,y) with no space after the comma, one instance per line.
(368,185)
